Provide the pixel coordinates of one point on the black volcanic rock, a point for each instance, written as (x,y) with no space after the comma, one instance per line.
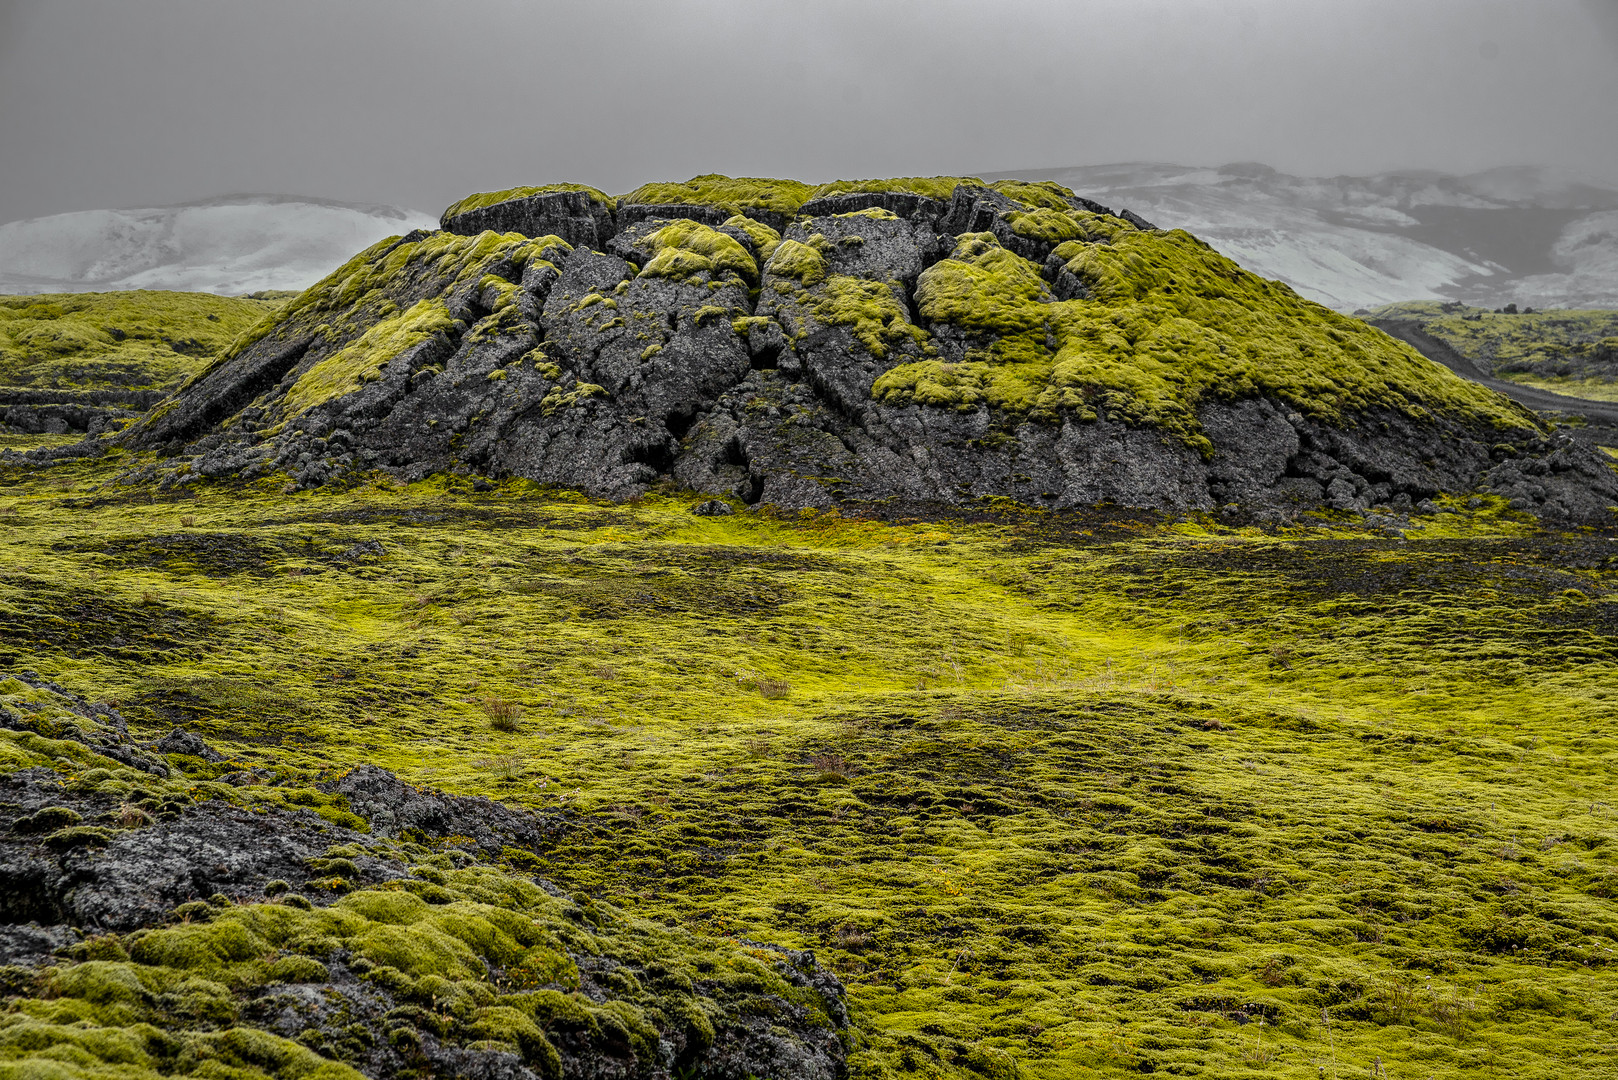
(94,868)
(572,215)
(1012,341)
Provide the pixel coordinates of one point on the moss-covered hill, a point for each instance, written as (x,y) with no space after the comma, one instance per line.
(1568,352)
(72,362)
(142,340)
(935,339)
(1054,794)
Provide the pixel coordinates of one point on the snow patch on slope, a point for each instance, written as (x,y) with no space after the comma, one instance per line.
(230,245)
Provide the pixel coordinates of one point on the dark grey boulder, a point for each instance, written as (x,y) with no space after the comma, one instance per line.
(180,741)
(95,725)
(572,215)
(917,209)
(1136,220)
(397,809)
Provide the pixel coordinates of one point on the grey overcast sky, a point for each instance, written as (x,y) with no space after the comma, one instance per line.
(109,103)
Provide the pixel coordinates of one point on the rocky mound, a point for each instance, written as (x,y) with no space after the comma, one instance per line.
(939,340)
(167,912)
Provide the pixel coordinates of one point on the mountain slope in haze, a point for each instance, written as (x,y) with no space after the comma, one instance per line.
(1511,235)
(233,244)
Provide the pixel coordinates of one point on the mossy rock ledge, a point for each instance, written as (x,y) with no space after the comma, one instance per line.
(938,340)
(346,924)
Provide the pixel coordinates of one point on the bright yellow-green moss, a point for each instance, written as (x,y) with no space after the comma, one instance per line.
(932,187)
(352,367)
(870,310)
(39,1049)
(575,397)
(875,213)
(1061,226)
(141,340)
(494,198)
(795,259)
(1170,323)
(984,288)
(684,249)
(740,193)
(764,238)
(1095,790)
(1035,193)
(357,296)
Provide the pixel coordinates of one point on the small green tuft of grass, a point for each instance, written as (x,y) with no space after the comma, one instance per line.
(503,713)
(774,689)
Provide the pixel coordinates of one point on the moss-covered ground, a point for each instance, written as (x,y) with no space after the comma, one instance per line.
(1167,324)
(145,339)
(1102,793)
(1564,351)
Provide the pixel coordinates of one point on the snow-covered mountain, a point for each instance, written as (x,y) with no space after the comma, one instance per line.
(1522,235)
(234,244)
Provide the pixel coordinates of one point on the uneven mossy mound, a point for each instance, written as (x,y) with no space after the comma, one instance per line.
(1167,324)
(1567,352)
(936,339)
(85,362)
(142,340)
(173,942)
(1053,794)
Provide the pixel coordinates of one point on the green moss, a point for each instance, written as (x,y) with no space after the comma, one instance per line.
(78,836)
(932,187)
(298,969)
(685,249)
(874,213)
(1062,226)
(1169,324)
(47,819)
(1094,790)
(797,260)
(985,289)
(261,1053)
(572,399)
(359,304)
(709,313)
(145,340)
(508,1025)
(740,193)
(764,238)
(352,367)
(1565,351)
(493,928)
(494,198)
(1036,193)
(871,309)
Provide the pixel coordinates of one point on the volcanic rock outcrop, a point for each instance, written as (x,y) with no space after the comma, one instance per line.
(939,340)
(160,910)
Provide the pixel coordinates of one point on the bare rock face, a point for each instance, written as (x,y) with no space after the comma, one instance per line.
(571,215)
(1010,341)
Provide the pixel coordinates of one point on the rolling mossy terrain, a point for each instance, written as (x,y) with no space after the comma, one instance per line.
(926,339)
(84,361)
(1567,352)
(143,340)
(1047,794)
